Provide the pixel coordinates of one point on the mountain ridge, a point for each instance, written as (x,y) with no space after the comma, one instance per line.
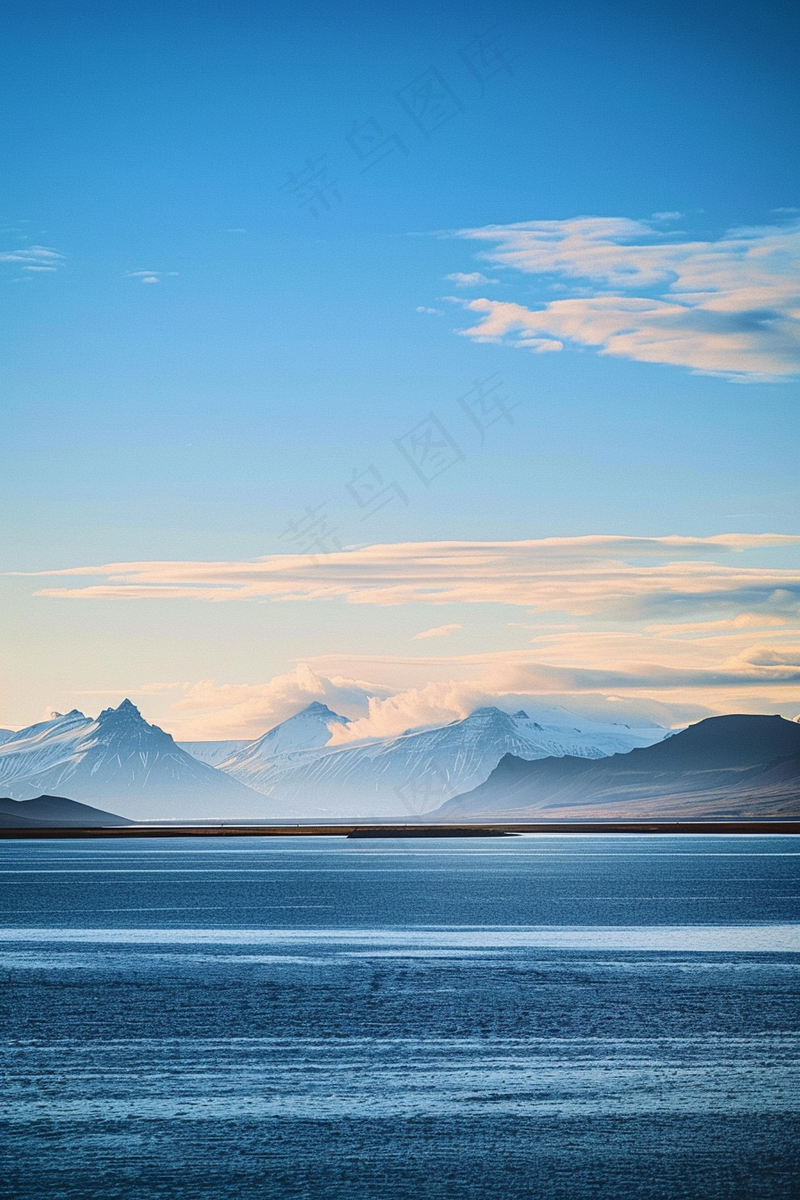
(737,764)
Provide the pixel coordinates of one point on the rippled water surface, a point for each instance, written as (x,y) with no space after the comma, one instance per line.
(564,1017)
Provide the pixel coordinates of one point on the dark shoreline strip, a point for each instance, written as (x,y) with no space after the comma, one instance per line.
(355,829)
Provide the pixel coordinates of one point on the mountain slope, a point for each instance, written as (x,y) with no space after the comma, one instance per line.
(735,765)
(41,746)
(412,773)
(213,753)
(120,760)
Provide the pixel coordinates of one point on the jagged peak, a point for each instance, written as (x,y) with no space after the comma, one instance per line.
(126,709)
(488,710)
(317,707)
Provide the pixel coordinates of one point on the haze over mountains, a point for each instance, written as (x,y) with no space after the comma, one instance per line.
(118,760)
(732,766)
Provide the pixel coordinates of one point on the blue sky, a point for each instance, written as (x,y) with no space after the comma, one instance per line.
(193,360)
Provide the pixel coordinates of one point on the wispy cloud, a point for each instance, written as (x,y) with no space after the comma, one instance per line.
(619,577)
(437,632)
(471,279)
(674,620)
(35,259)
(149,276)
(728,307)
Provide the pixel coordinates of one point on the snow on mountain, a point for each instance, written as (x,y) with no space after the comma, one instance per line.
(212,753)
(41,747)
(415,772)
(309,729)
(124,763)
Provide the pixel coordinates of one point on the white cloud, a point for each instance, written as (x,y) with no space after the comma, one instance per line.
(433,312)
(149,276)
(438,631)
(472,279)
(35,259)
(729,307)
(670,691)
(241,710)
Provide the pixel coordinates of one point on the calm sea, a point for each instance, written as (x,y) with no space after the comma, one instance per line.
(564,1017)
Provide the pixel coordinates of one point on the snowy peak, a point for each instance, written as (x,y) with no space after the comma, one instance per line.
(126,724)
(307,730)
(126,711)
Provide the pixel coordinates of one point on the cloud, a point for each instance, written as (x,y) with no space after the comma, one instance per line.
(728,307)
(439,631)
(674,619)
(241,710)
(433,312)
(635,694)
(149,276)
(472,279)
(35,259)
(433,704)
(618,679)
(617,577)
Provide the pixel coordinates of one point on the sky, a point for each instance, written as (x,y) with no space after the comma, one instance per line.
(404,357)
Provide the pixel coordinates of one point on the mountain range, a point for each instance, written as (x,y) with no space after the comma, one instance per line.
(305,773)
(732,766)
(296,769)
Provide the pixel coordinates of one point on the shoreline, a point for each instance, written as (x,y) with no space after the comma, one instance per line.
(371,829)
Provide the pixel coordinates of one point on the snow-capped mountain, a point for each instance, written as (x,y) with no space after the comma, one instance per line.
(122,762)
(310,729)
(410,774)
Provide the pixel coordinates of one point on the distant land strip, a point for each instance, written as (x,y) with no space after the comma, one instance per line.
(410,830)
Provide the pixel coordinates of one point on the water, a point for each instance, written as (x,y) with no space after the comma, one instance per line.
(563,1017)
